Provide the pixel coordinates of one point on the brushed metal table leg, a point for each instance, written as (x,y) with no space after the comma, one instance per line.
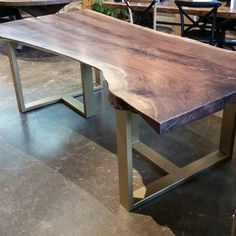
(87,85)
(88,107)
(127,134)
(124,152)
(16,77)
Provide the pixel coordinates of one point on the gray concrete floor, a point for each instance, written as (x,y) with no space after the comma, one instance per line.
(58,171)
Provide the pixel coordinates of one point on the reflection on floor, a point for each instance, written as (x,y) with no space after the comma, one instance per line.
(58,171)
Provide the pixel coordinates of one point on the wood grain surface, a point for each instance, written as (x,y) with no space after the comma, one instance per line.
(169,7)
(17,3)
(170,81)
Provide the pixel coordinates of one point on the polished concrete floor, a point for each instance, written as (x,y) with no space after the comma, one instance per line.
(58,171)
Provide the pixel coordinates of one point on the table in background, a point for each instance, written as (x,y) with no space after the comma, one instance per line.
(226,16)
(36,7)
(170,7)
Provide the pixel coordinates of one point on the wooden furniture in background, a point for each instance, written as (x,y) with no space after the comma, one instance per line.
(167,80)
(146,17)
(202,28)
(36,7)
(227,15)
(170,7)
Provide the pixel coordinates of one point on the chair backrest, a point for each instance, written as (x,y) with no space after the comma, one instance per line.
(205,23)
(144,17)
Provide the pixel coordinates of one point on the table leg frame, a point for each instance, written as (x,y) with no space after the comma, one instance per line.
(86,108)
(128,142)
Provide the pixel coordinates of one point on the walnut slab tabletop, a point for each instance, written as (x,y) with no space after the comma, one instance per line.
(168,80)
(169,6)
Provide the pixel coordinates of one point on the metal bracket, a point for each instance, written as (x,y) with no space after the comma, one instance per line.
(128,141)
(86,108)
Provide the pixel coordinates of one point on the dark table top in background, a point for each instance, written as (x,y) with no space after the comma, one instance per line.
(33,2)
(36,7)
(169,6)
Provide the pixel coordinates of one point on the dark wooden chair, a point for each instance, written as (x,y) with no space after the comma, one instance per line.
(201,28)
(145,17)
(227,27)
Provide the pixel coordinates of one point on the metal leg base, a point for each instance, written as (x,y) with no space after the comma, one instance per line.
(127,142)
(67,99)
(86,108)
(175,177)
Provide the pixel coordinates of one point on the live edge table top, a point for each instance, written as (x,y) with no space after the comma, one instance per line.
(168,80)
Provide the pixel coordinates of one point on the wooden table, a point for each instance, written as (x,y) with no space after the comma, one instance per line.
(36,7)
(168,80)
(170,7)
